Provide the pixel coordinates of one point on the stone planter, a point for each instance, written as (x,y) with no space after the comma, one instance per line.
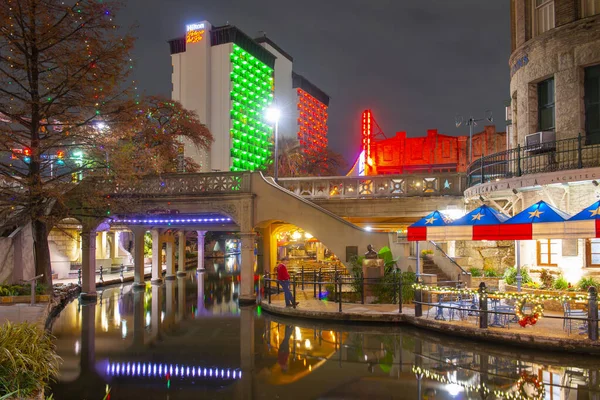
(40,298)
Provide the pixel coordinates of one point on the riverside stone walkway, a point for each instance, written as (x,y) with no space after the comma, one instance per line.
(548,333)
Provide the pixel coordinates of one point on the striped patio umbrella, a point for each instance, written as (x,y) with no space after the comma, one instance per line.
(585,224)
(432,227)
(539,221)
(483,223)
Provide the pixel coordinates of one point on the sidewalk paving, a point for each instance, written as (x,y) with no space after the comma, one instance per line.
(548,333)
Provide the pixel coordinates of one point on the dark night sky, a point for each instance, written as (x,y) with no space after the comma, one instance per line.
(415,63)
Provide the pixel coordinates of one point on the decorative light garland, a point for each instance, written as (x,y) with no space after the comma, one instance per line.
(536,312)
(483,388)
(502,295)
(527,379)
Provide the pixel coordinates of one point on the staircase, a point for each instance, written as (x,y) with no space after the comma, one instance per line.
(429,267)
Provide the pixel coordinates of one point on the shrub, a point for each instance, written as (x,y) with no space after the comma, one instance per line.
(475,272)
(425,253)
(532,285)
(28,361)
(408,292)
(585,283)
(561,283)
(330,290)
(547,279)
(510,275)
(490,272)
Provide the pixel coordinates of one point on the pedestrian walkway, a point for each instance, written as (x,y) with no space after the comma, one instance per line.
(17,313)
(111,278)
(548,333)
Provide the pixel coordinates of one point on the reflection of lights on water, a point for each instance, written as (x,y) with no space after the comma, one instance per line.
(159,370)
(117,316)
(162,316)
(365,357)
(148,319)
(298,334)
(453,389)
(104,320)
(77,347)
(310,367)
(124,329)
(307,344)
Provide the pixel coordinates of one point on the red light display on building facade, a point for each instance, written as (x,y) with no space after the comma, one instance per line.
(312,124)
(431,153)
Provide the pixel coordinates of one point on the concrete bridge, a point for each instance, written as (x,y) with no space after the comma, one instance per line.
(384,202)
(243,202)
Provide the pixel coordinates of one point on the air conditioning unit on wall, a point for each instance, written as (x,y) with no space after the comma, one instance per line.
(540,142)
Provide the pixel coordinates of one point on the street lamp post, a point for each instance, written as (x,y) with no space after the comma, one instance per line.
(273,115)
(470,122)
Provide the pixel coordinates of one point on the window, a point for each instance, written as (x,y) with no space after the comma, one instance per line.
(593,252)
(546,105)
(590,7)
(543,16)
(592,104)
(547,252)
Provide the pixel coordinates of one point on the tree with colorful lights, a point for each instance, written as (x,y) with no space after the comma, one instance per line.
(68,112)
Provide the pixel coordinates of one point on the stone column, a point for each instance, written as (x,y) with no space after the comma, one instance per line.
(88,263)
(170,258)
(156,256)
(114,248)
(138,256)
(102,240)
(181,253)
(247,273)
(201,250)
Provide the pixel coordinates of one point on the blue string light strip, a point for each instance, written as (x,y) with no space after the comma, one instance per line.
(173,219)
(155,370)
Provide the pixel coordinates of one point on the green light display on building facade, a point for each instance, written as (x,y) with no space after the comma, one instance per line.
(251,93)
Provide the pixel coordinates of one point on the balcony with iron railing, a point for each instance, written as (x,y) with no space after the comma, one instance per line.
(557,155)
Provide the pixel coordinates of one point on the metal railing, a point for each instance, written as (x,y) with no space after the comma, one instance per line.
(558,155)
(451,259)
(340,284)
(381,186)
(465,304)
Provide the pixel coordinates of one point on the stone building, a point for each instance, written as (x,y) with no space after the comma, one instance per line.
(555,69)
(554,137)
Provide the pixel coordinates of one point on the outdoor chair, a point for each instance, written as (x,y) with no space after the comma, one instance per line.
(569,313)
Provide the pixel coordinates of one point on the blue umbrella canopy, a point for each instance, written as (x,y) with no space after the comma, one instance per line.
(436,218)
(591,212)
(484,215)
(539,212)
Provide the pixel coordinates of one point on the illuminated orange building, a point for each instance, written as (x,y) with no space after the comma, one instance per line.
(431,153)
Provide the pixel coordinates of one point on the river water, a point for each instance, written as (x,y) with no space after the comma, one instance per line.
(189,339)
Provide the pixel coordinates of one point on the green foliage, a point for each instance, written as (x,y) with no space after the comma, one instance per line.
(330,290)
(547,279)
(408,292)
(147,244)
(386,255)
(28,360)
(585,283)
(490,272)
(510,275)
(356,272)
(475,272)
(386,291)
(21,290)
(561,283)
(532,285)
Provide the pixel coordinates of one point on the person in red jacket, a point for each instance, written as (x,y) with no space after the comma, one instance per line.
(284,279)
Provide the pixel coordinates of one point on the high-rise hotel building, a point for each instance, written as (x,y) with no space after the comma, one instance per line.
(230,79)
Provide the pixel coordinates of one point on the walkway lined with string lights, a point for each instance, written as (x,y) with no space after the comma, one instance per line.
(548,333)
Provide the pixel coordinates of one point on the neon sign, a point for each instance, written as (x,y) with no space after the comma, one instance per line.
(194,27)
(194,32)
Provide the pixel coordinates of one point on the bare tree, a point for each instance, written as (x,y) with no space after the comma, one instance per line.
(68,111)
